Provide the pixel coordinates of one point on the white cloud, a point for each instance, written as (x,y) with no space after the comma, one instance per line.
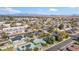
(53,9)
(9,10)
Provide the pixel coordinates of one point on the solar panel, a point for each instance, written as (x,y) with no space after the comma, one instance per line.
(28,46)
(17,38)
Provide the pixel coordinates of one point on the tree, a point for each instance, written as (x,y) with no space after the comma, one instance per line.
(4,35)
(60,38)
(44,44)
(50,29)
(44,35)
(73,23)
(56,38)
(64,34)
(13,24)
(36,49)
(28,49)
(61,26)
(0,49)
(11,18)
(49,40)
(52,39)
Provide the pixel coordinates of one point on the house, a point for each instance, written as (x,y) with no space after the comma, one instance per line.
(28,46)
(6,25)
(17,38)
(15,30)
(18,24)
(17,41)
(1,23)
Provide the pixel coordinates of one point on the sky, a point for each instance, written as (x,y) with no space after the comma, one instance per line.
(39,10)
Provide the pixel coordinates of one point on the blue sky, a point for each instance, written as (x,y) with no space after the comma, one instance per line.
(39,10)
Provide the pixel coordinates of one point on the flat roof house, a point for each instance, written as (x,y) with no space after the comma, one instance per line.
(15,30)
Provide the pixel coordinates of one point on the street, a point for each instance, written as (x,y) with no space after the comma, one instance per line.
(58,46)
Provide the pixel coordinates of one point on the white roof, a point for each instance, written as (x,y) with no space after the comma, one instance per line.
(18,23)
(39,41)
(32,45)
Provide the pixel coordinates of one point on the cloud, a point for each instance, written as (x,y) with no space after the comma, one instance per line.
(9,10)
(53,9)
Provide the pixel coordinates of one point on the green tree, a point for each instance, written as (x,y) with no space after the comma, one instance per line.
(61,26)
(11,18)
(44,44)
(49,40)
(13,24)
(4,35)
(44,35)
(36,49)
(0,49)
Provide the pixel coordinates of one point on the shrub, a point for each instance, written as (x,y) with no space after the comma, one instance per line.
(63,35)
(4,35)
(76,43)
(44,35)
(52,39)
(67,35)
(43,44)
(31,40)
(61,26)
(56,38)
(60,38)
(28,49)
(49,40)
(0,49)
(36,49)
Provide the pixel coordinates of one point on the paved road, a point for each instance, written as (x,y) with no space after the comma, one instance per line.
(60,45)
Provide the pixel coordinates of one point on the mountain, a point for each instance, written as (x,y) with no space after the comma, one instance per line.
(30,15)
(24,15)
(35,15)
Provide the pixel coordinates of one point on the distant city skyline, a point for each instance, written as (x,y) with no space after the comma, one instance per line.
(39,11)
